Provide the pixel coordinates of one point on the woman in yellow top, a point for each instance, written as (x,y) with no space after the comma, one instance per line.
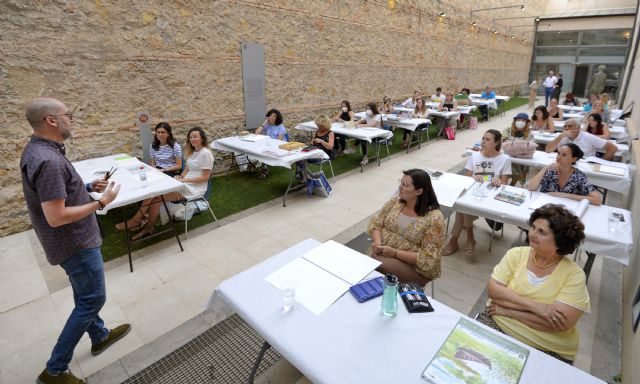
(408,233)
(536,293)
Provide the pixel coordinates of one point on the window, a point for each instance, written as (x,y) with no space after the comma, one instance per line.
(556,38)
(569,51)
(603,51)
(606,37)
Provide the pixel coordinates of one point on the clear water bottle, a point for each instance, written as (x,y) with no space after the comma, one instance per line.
(390,295)
(143,177)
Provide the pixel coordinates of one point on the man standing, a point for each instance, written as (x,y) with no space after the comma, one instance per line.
(62,215)
(598,81)
(549,85)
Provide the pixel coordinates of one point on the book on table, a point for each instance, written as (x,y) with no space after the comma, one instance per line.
(323,274)
(511,197)
(474,354)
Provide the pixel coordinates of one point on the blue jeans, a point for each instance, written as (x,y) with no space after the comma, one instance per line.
(86,274)
(548,91)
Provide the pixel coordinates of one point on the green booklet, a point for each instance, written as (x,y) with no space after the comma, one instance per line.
(473,354)
(511,197)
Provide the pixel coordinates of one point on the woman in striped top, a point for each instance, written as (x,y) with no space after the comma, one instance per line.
(165,152)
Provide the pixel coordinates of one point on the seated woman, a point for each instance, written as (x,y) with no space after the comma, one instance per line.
(595,126)
(420,111)
(489,164)
(409,231)
(598,107)
(195,177)
(273,128)
(571,100)
(387,108)
(462,98)
(541,120)
(323,139)
(562,179)
(165,152)
(555,112)
(449,104)
(536,293)
(592,100)
(411,102)
(520,129)
(371,119)
(272,125)
(345,114)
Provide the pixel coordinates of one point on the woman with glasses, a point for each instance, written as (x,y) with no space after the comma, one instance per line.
(195,178)
(409,231)
(165,152)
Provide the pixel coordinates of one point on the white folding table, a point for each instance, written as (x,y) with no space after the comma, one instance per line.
(352,342)
(131,189)
(266,150)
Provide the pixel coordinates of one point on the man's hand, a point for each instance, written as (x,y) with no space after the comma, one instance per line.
(110,193)
(98,185)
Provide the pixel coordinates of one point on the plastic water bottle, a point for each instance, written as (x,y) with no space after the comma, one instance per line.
(143,177)
(390,295)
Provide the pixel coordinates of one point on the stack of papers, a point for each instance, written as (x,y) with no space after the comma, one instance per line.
(323,274)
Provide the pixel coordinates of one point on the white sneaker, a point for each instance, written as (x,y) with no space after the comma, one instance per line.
(364,161)
(349,151)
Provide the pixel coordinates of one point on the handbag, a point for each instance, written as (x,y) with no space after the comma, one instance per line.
(318,184)
(523,149)
(449,133)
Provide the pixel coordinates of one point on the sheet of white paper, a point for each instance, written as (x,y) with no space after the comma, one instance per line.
(316,288)
(543,199)
(344,262)
(253,138)
(611,170)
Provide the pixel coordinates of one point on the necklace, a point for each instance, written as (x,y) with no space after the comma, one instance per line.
(546,266)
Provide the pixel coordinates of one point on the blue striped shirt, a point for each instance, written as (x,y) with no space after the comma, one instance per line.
(165,156)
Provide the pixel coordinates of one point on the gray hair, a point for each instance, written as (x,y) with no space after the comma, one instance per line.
(575,121)
(39,108)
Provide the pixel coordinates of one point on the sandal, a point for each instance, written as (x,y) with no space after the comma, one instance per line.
(448,250)
(145,232)
(470,249)
(121,226)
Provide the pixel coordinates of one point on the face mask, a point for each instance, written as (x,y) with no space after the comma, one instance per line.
(520,124)
(345,109)
(369,113)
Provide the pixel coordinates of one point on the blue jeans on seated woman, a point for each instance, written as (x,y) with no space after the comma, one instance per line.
(86,274)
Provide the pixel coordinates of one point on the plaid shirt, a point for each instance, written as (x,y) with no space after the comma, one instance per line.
(48,175)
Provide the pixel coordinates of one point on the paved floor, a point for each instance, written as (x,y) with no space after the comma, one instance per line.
(169,288)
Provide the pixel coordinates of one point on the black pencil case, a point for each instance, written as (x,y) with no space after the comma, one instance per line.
(414,298)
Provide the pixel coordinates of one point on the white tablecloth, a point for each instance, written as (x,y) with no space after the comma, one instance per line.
(598,239)
(570,108)
(446,115)
(621,184)
(498,97)
(488,102)
(266,150)
(572,115)
(466,109)
(352,342)
(409,124)
(366,134)
(131,189)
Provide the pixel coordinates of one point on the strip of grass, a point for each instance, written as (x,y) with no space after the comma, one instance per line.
(239,191)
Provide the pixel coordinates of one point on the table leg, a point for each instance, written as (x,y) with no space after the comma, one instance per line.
(256,364)
(292,176)
(127,237)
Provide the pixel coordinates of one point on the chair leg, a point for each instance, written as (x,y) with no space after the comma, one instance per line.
(333,176)
(214,216)
(185,224)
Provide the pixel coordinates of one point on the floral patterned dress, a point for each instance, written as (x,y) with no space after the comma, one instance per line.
(425,236)
(578,184)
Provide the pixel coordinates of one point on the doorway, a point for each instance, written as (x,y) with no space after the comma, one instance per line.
(580,80)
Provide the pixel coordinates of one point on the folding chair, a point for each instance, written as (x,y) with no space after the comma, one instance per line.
(321,163)
(198,211)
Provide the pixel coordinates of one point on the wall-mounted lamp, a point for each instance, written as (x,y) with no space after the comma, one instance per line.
(513,37)
(474,23)
(442,14)
(537,19)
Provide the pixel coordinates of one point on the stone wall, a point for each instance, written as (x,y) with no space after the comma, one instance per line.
(180,60)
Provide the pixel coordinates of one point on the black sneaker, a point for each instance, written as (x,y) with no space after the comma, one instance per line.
(63,378)
(115,334)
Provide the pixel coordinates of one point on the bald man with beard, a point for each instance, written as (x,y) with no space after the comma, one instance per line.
(63,217)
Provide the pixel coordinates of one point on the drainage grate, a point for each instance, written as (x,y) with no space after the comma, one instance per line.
(361,243)
(223,354)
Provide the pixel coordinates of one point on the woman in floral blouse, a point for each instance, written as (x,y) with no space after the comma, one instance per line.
(408,233)
(562,179)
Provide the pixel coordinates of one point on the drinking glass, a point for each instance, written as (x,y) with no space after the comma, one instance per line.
(288,290)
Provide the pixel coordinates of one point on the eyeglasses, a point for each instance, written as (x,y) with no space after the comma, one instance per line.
(404,185)
(68,114)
